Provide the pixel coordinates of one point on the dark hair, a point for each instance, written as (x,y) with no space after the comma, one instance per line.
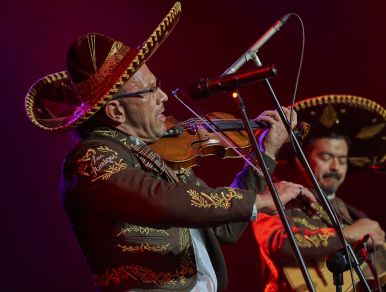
(330,134)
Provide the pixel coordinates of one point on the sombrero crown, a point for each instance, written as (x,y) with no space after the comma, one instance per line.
(362,120)
(97,67)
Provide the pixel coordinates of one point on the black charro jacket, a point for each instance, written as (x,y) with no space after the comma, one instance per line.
(132,222)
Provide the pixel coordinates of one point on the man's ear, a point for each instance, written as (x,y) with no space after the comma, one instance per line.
(115,111)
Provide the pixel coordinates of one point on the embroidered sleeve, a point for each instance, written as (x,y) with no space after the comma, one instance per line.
(213,200)
(105,177)
(314,237)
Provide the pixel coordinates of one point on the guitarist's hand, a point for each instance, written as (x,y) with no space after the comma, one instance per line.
(361,227)
(291,195)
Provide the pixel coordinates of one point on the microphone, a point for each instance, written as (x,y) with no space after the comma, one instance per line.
(248,55)
(206,86)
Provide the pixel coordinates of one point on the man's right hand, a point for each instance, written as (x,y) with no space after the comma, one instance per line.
(288,192)
(361,227)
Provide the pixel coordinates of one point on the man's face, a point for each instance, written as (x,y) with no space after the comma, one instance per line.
(144,113)
(328,160)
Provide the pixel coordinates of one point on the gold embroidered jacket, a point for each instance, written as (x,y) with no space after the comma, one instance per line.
(315,237)
(131,221)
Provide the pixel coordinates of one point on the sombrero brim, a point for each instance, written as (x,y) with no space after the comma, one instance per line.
(360,119)
(57,88)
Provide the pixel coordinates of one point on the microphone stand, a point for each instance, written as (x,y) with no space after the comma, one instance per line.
(325,202)
(279,206)
(250,54)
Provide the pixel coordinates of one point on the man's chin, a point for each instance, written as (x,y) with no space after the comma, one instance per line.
(330,189)
(158,135)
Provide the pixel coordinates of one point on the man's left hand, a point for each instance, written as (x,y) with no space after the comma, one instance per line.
(273,138)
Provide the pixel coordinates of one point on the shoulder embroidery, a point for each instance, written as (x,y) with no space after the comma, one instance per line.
(100,163)
(183,174)
(213,200)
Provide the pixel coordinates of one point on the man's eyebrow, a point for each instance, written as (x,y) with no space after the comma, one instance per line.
(152,84)
(331,154)
(325,152)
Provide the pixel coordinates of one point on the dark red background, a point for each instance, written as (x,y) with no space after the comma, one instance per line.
(344,53)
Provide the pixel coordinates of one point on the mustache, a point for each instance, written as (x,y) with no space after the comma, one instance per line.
(333,175)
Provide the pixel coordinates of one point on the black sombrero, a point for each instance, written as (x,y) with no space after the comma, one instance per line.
(362,120)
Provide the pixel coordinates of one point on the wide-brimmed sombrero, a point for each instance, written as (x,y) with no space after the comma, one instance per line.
(362,120)
(97,67)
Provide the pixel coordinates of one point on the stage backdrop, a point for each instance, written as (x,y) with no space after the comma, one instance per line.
(344,54)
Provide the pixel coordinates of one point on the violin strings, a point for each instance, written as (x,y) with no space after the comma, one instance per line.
(186,124)
(226,141)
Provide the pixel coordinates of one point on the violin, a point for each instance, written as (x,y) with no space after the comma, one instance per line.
(185,143)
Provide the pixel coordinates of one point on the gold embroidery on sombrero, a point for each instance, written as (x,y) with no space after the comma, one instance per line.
(213,200)
(329,116)
(146,275)
(30,105)
(351,100)
(91,47)
(117,68)
(370,131)
(100,83)
(114,49)
(100,163)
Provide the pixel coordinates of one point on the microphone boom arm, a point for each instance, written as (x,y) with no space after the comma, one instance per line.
(249,54)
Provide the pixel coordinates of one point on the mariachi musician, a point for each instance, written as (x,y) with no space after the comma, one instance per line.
(140,225)
(344,130)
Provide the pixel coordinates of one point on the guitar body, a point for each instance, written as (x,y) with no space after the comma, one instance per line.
(321,277)
(323,281)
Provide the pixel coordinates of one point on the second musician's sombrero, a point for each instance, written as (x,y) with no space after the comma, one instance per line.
(362,120)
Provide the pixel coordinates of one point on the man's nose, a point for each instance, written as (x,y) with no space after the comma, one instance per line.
(334,164)
(161,96)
